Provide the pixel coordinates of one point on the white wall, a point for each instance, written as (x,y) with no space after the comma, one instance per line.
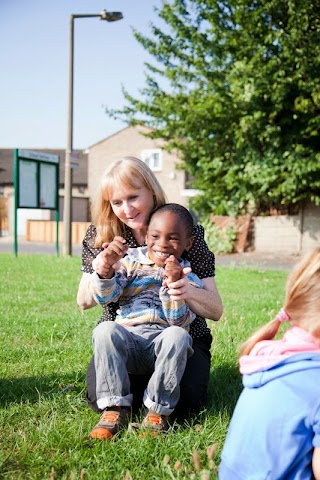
(288,234)
(23,215)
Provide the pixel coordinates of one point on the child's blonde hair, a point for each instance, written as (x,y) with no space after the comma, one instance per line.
(302,302)
(128,171)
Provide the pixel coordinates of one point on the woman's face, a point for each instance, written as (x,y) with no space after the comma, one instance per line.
(132,205)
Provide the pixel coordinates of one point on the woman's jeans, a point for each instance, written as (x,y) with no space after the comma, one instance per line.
(147,349)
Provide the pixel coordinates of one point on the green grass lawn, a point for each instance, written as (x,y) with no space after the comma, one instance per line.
(45,347)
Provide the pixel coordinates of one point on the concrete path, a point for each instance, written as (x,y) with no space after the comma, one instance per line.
(249,259)
(261,260)
(24,246)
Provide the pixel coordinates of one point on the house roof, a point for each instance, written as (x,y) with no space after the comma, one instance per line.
(141,128)
(80,174)
(112,135)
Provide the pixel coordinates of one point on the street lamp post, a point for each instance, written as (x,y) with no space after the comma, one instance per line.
(67,215)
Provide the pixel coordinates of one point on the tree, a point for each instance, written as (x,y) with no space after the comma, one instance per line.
(235,89)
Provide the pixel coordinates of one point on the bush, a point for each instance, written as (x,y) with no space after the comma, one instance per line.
(219,240)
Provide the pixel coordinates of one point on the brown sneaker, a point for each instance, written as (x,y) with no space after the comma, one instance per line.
(155,423)
(112,420)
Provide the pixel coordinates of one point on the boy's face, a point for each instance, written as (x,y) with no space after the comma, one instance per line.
(166,236)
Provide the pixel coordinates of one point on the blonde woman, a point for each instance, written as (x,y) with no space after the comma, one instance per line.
(127,195)
(275,428)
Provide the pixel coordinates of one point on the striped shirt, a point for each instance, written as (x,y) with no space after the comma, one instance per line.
(137,285)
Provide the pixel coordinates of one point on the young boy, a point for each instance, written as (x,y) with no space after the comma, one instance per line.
(146,337)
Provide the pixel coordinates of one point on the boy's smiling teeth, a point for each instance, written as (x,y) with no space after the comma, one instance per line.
(162,254)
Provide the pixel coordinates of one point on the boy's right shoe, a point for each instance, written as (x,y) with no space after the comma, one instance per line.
(112,420)
(154,423)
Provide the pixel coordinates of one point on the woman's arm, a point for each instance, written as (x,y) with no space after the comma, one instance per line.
(89,252)
(85,298)
(205,302)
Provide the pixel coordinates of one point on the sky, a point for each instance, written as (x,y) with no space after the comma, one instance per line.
(34,65)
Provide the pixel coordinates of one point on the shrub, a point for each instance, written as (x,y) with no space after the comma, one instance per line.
(219,240)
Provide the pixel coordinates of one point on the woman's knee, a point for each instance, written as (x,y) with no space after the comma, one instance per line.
(197,370)
(194,383)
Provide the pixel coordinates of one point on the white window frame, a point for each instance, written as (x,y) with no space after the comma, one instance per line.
(147,156)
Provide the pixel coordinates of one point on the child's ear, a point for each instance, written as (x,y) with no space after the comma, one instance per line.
(189,243)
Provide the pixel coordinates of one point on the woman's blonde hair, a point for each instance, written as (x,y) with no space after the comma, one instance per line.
(302,302)
(130,172)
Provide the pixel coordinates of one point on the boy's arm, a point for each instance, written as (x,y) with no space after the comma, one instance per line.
(177,312)
(104,266)
(107,290)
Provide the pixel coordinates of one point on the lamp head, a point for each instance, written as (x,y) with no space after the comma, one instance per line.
(110,16)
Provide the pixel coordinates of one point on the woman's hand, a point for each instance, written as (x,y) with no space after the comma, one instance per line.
(205,302)
(179,289)
(105,262)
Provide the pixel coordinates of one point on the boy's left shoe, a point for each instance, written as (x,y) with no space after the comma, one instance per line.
(113,419)
(155,423)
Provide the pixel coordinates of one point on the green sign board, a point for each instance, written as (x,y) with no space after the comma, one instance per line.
(37,181)
(36,184)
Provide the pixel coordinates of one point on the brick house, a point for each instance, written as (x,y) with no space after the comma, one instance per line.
(131,141)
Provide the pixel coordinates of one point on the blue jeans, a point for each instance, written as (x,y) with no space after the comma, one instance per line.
(159,350)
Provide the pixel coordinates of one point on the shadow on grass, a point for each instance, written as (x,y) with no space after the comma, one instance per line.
(31,389)
(225,386)
(224,389)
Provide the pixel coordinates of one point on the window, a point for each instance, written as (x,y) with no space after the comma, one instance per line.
(153,158)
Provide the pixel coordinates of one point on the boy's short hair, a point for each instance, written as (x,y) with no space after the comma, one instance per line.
(182,212)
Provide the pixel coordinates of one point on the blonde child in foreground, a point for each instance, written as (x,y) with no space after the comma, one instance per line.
(274,432)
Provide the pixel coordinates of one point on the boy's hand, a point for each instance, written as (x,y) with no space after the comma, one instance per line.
(105,263)
(172,270)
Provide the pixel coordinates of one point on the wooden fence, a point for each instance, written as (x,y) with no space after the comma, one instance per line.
(3,214)
(289,234)
(45,231)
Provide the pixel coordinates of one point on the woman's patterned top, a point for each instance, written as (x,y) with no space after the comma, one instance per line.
(201,258)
